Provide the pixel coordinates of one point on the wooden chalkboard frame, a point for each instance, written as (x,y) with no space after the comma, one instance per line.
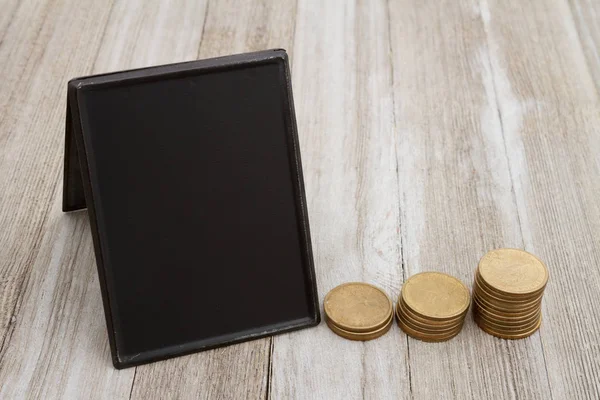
(78,190)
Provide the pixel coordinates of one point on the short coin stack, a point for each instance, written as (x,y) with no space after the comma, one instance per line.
(358,311)
(432,306)
(507,293)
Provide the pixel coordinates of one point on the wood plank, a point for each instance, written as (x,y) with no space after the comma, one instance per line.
(234,27)
(18,47)
(143,33)
(586,15)
(59,346)
(559,184)
(488,98)
(9,9)
(549,108)
(238,371)
(456,192)
(40,52)
(54,341)
(342,81)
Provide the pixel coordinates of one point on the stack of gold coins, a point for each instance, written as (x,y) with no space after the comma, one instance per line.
(507,293)
(358,311)
(432,306)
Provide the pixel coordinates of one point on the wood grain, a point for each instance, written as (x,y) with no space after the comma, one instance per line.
(549,108)
(9,9)
(342,84)
(430,133)
(37,59)
(456,192)
(54,339)
(586,16)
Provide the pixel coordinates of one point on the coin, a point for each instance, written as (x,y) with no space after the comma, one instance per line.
(432,306)
(428,329)
(505,300)
(512,336)
(429,321)
(358,307)
(424,323)
(512,298)
(507,293)
(505,305)
(435,295)
(513,271)
(428,337)
(502,326)
(502,316)
(509,320)
(489,302)
(361,336)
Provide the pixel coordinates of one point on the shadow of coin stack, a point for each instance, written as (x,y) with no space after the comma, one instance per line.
(507,293)
(432,306)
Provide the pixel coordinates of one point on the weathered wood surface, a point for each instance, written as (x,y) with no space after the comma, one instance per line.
(430,133)
(343,88)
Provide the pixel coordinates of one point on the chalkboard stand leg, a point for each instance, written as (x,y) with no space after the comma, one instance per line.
(73,195)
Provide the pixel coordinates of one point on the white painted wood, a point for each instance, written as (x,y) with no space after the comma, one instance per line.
(58,345)
(343,94)
(52,333)
(430,133)
(9,9)
(33,53)
(549,108)
(456,192)
(586,15)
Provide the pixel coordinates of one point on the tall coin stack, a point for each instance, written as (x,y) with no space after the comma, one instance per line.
(507,293)
(432,306)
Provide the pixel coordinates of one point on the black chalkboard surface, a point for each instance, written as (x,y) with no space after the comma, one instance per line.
(192,178)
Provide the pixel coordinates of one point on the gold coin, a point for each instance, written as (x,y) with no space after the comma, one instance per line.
(487,329)
(481,284)
(506,300)
(501,326)
(515,303)
(512,330)
(435,295)
(429,321)
(428,337)
(513,271)
(440,322)
(477,306)
(512,312)
(361,336)
(429,329)
(419,326)
(504,313)
(424,323)
(503,321)
(500,307)
(487,302)
(516,307)
(358,307)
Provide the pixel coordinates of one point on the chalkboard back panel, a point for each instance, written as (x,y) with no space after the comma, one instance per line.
(193,181)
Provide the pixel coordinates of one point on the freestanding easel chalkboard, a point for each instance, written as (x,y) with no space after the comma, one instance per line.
(192,177)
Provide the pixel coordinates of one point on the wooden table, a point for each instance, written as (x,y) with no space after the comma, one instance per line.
(431,132)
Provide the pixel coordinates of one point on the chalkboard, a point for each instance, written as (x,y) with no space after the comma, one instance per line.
(192,178)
